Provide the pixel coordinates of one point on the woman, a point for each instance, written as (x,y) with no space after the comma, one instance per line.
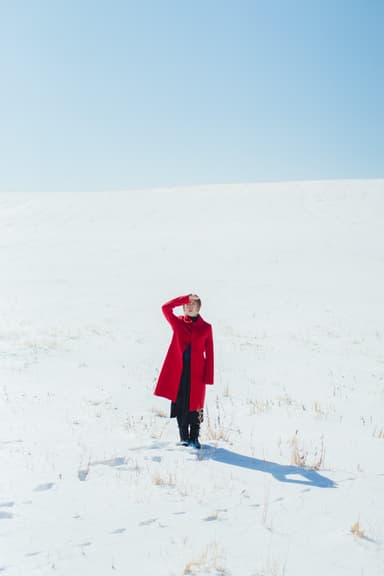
(188,367)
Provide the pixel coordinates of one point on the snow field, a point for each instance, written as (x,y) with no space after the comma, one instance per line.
(291,277)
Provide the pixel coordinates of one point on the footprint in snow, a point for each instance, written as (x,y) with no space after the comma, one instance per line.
(44,487)
(118,461)
(83,475)
(211,518)
(148,522)
(119,531)
(155,458)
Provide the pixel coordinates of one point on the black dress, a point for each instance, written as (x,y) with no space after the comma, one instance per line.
(180,408)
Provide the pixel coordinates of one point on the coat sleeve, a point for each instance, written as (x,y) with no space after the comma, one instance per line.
(168,307)
(209,364)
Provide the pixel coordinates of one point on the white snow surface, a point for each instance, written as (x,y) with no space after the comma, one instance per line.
(290,479)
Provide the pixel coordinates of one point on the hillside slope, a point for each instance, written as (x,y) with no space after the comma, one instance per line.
(291,276)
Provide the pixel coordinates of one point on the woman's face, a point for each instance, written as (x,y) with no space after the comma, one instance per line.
(191,309)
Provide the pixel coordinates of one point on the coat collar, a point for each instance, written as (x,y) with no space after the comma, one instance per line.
(187,320)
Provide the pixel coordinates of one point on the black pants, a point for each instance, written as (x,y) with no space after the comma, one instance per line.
(189,422)
(191,430)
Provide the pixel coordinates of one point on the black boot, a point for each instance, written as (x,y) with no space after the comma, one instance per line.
(184,435)
(194,436)
(195,419)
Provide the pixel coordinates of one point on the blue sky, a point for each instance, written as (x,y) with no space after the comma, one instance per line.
(102,95)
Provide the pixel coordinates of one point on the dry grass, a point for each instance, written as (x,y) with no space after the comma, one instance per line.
(227,392)
(159,412)
(259,406)
(216,428)
(271,569)
(158,431)
(301,457)
(208,562)
(356,530)
(378,433)
(319,410)
(164,479)
(297,456)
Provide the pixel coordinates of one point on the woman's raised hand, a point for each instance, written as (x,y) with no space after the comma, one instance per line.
(193,297)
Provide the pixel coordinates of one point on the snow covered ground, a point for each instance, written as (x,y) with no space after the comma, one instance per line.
(290,481)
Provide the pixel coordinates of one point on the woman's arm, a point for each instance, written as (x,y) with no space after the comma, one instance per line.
(168,307)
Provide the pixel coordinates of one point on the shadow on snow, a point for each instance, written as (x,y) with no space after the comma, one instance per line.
(278,471)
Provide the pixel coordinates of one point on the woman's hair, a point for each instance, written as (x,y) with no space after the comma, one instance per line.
(198,301)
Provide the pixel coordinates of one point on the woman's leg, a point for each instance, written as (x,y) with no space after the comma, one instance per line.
(195,419)
(183,430)
(180,408)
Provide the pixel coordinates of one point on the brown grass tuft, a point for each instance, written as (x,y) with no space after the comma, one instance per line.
(356,530)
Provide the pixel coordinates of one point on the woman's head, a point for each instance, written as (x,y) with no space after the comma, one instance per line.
(193,306)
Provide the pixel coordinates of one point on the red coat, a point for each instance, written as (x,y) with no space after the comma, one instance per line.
(185,332)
